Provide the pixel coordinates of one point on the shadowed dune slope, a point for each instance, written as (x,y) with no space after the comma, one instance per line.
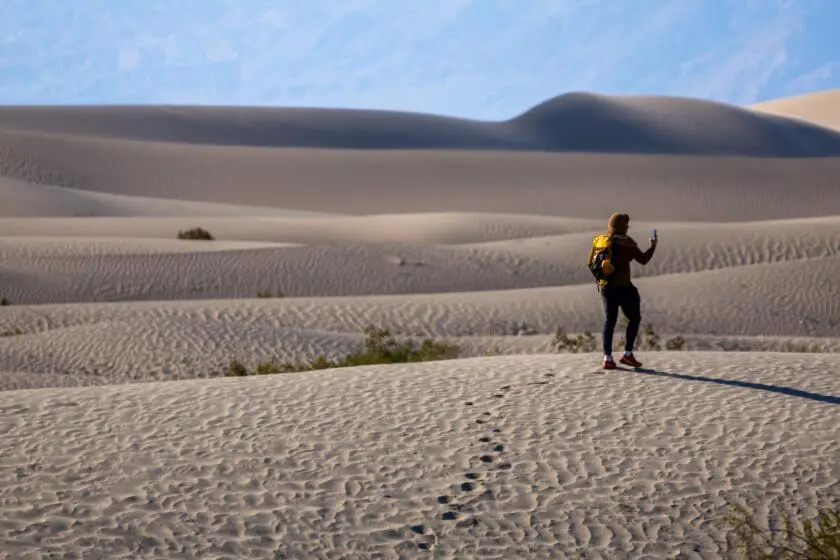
(573,122)
(665,188)
(579,154)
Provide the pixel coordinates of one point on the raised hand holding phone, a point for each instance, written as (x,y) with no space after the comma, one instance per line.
(653,236)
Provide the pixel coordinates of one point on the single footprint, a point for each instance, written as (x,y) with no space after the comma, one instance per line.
(486,458)
(472,476)
(538,383)
(443,499)
(504,466)
(505,388)
(468,403)
(466,487)
(498,396)
(549,375)
(484,439)
(471,522)
(449,516)
(499,448)
(419,529)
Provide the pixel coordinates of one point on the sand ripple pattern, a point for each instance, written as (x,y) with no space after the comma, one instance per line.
(367,462)
(178,339)
(307,257)
(42,275)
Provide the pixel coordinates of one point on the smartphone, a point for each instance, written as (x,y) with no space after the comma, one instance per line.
(653,234)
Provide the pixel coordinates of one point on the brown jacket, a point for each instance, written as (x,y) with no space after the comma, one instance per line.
(626,250)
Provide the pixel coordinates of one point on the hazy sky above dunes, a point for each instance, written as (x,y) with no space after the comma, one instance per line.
(474,58)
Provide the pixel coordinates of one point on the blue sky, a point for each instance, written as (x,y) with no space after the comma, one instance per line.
(474,58)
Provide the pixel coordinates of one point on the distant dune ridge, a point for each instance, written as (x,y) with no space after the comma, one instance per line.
(115,440)
(574,122)
(575,155)
(821,108)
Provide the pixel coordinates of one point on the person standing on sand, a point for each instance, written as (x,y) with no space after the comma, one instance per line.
(618,291)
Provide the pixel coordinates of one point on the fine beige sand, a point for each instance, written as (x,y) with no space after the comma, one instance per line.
(120,438)
(821,108)
(372,462)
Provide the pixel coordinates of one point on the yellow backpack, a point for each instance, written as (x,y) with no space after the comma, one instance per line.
(600,258)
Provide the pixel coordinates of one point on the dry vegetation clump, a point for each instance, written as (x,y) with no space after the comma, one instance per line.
(269,294)
(380,347)
(800,539)
(4,301)
(585,341)
(801,347)
(195,233)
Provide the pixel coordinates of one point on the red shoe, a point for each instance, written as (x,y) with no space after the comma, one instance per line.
(609,364)
(630,361)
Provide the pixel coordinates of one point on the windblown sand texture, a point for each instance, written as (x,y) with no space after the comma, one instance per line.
(119,438)
(821,108)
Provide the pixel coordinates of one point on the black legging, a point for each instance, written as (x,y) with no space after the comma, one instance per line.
(627,299)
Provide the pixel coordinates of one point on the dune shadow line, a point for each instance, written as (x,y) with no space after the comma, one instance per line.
(781,389)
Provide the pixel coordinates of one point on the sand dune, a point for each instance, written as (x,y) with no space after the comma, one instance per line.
(120,440)
(34,200)
(821,108)
(445,228)
(574,122)
(381,182)
(315,257)
(660,158)
(378,182)
(161,340)
(534,458)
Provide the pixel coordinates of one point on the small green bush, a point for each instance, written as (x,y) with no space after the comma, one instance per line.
(380,347)
(802,539)
(16,332)
(195,233)
(5,301)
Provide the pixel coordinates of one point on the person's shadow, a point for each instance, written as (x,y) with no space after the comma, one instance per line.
(790,391)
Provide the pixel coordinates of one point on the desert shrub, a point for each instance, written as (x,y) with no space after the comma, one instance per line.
(16,332)
(236,369)
(380,347)
(651,340)
(494,350)
(269,294)
(802,539)
(4,301)
(801,348)
(584,342)
(195,233)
